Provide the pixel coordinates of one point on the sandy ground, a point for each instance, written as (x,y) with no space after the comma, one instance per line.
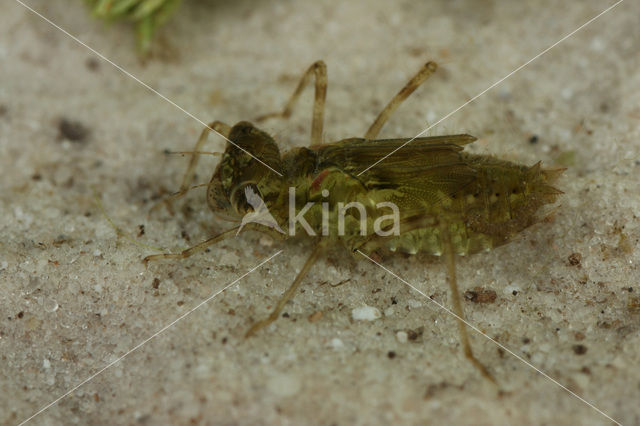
(75,297)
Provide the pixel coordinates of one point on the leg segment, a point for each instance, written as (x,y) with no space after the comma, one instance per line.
(290,291)
(457,306)
(319,70)
(217,126)
(426,70)
(192,250)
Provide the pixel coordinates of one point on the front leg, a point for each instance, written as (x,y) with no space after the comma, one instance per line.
(193,250)
(319,70)
(216,126)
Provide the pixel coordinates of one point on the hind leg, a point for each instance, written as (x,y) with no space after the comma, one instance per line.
(457,306)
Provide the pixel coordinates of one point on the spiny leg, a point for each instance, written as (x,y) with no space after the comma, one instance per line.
(193,250)
(319,70)
(217,126)
(290,291)
(426,70)
(457,306)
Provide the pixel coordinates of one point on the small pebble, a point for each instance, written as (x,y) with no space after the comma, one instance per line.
(315,317)
(512,290)
(579,349)
(72,130)
(366,313)
(50,305)
(480,295)
(575,259)
(336,343)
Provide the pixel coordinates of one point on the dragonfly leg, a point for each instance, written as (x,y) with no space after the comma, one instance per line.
(217,126)
(415,82)
(289,293)
(318,70)
(457,305)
